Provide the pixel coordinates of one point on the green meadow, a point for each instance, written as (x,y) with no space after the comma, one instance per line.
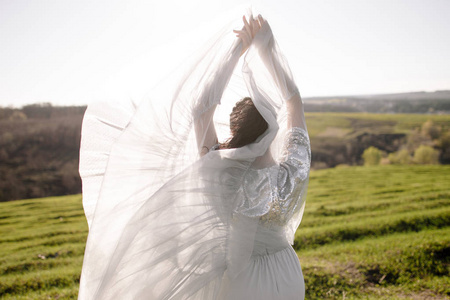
(377,233)
(367,233)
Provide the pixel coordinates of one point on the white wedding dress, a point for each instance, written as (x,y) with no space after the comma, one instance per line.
(274,271)
(167,224)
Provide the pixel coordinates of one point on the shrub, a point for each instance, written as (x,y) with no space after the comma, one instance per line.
(426,155)
(443,143)
(401,157)
(372,156)
(433,131)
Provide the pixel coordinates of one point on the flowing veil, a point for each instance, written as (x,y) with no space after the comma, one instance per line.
(165,223)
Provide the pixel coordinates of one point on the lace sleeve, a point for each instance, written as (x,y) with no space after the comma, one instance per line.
(294,164)
(290,182)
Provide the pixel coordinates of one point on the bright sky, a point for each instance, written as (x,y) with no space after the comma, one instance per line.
(73,52)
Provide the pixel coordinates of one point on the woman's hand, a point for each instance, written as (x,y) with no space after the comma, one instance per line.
(248,32)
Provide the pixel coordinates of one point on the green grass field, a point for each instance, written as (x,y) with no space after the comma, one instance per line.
(367,233)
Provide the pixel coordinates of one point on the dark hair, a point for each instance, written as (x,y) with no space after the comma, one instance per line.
(246,125)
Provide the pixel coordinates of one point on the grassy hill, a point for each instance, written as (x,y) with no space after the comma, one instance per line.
(353,124)
(367,233)
(380,232)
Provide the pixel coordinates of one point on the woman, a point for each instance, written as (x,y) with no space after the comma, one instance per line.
(168,225)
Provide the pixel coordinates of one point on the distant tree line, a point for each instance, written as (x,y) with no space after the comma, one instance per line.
(39,149)
(431,106)
(39,111)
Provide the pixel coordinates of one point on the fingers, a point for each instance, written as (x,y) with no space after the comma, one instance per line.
(255,27)
(247,27)
(243,35)
(251,26)
(245,21)
(260,20)
(249,30)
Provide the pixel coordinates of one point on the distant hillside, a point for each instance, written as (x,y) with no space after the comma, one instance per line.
(416,102)
(39,144)
(39,148)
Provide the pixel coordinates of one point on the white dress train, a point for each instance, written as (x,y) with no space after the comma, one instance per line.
(165,223)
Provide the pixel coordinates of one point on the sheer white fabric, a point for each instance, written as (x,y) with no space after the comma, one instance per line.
(165,223)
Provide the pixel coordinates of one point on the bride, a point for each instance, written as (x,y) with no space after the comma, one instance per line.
(175,214)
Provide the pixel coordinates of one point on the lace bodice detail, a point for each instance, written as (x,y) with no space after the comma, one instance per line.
(275,193)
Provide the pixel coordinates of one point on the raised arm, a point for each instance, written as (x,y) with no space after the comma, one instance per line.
(204,112)
(279,69)
(209,98)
